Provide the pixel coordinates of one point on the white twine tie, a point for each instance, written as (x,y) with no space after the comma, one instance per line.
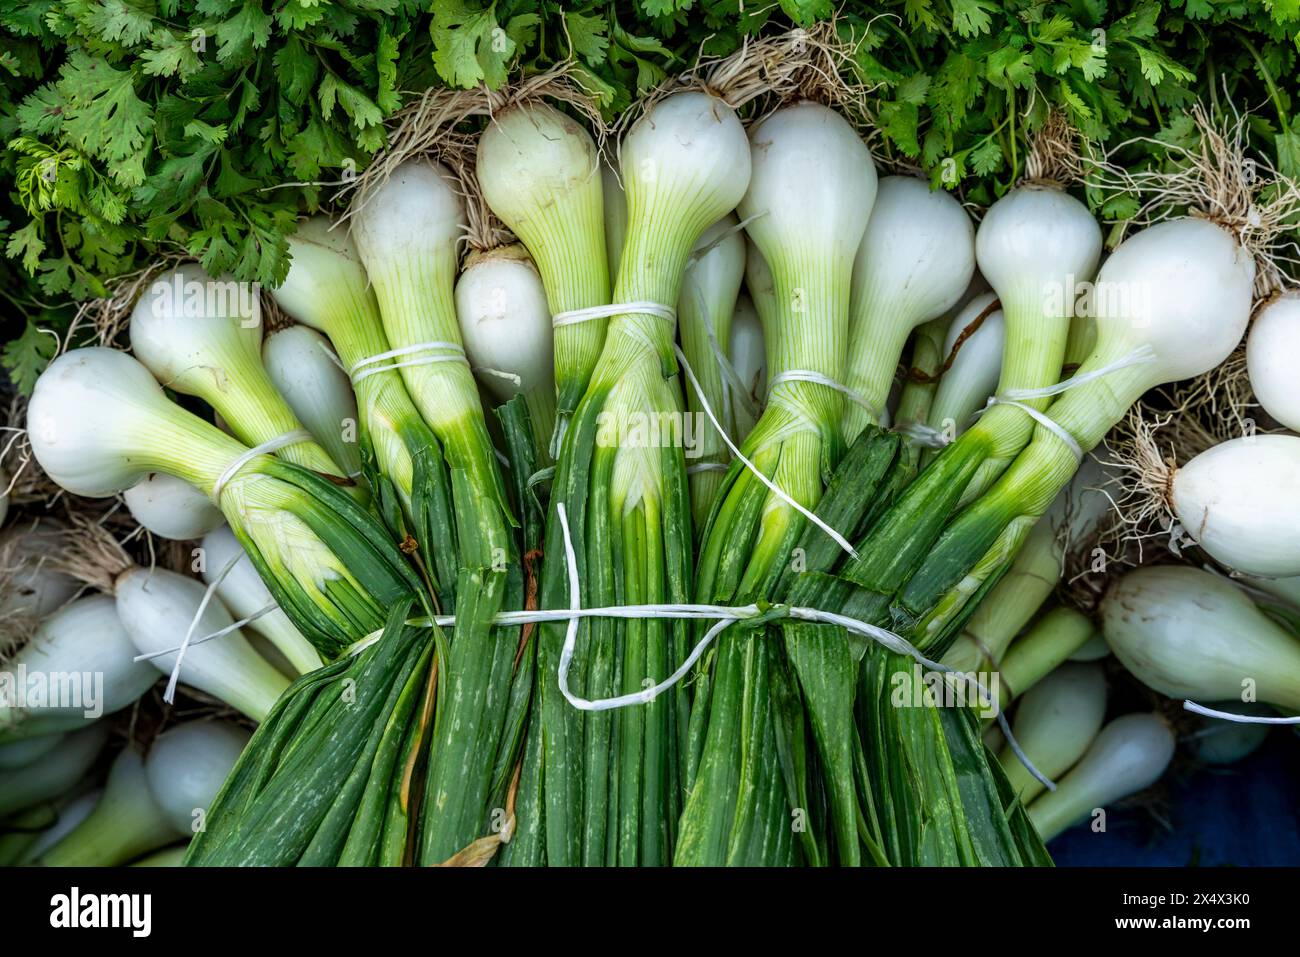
(572,317)
(818,378)
(723,616)
(266,448)
(373,365)
(1195,708)
(1018,397)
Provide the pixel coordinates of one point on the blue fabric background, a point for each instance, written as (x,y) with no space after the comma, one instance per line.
(1241,815)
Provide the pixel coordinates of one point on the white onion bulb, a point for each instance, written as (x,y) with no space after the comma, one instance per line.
(171,508)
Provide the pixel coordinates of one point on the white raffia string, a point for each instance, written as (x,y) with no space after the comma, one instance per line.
(219,633)
(776,490)
(1143,353)
(1018,397)
(732,384)
(373,365)
(817,378)
(698,254)
(170,694)
(922,434)
(723,616)
(1042,419)
(511,377)
(266,448)
(639,307)
(1195,708)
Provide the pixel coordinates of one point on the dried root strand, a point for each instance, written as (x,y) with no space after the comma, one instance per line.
(1221,179)
(1141,486)
(92,553)
(813,63)
(109,315)
(273,317)
(1055,157)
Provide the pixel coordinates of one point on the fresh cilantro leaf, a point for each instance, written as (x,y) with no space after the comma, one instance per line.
(470,46)
(104,116)
(170,55)
(119,21)
(26,357)
(588,35)
(971,17)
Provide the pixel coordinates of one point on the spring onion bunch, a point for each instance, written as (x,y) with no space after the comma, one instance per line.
(810,195)
(202,336)
(349,790)
(1186,293)
(612,780)
(407,227)
(99,423)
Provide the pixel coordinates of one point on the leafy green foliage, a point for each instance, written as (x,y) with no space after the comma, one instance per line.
(27,356)
(206,127)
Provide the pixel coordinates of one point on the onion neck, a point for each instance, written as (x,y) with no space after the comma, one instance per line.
(1032,353)
(878,331)
(257,413)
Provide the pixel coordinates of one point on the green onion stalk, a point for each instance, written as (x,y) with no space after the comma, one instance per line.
(809,198)
(407,228)
(1177,299)
(353,788)
(202,336)
(99,423)
(328,290)
(710,288)
(916,566)
(540,173)
(1035,573)
(613,779)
